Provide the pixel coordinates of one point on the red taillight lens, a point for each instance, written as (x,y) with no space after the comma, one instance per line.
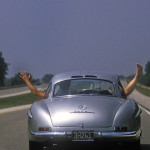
(119,129)
(44,129)
(41,129)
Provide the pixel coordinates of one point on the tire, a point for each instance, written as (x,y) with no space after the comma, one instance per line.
(135,145)
(35,145)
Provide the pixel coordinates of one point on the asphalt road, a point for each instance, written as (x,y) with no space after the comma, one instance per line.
(13,131)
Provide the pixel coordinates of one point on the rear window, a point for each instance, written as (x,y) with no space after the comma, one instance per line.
(84,87)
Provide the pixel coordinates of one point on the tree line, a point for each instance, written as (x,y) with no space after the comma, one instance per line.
(145,79)
(3,69)
(16,80)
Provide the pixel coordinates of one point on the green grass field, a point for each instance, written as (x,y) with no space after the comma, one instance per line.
(144,90)
(18,100)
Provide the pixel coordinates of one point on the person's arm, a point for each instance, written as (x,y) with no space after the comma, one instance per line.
(33,89)
(132,84)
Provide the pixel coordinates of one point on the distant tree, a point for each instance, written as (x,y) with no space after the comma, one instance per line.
(121,77)
(3,69)
(47,78)
(145,79)
(147,68)
(36,81)
(16,80)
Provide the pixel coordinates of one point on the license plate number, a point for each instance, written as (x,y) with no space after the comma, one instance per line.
(82,136)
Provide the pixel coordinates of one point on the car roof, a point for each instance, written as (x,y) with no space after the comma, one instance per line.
(85,74)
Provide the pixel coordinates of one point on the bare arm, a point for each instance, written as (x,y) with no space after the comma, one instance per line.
(33,89)
(132,84)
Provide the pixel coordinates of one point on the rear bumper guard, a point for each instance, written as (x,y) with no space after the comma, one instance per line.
(97,135)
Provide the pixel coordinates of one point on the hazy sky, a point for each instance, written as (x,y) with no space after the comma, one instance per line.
(53,36)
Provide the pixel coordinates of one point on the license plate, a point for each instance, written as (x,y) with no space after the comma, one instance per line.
(80,135)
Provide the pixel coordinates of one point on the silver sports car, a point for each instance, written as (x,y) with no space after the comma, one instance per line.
(84,107)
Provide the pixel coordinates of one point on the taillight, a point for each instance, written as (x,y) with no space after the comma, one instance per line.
(120,128)
(44,129)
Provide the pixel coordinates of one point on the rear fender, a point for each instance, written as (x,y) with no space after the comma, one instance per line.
(128,115)
(38,116)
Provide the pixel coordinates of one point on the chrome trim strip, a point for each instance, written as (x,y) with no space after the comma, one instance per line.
(96,134)
(29,113)
(138,113)
(48,133)
(121,134)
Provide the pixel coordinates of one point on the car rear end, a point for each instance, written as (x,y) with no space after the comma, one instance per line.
(78,120)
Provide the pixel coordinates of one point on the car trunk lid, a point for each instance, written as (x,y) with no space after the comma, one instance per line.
(87,111)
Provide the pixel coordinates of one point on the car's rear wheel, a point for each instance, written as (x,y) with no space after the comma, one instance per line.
(35,145)
(135,145)
(39,145)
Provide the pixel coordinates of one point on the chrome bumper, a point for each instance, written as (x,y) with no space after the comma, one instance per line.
(97,135)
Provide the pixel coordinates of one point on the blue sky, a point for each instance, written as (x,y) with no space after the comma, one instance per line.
(53,36)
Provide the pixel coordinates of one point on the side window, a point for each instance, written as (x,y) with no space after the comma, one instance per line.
(120,89)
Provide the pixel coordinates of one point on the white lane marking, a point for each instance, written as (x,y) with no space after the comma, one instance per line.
(14,94)
(19,93)
(148,112)
(17,108)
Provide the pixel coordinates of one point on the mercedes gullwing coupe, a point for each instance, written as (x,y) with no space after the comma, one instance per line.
(84,107)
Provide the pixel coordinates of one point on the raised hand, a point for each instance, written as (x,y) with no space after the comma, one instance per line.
(24,76)
(33,89)
(139,70)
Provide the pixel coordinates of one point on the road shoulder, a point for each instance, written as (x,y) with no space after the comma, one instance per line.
(16,108)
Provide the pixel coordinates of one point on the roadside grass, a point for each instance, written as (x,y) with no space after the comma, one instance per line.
(18,100)
(144,90)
